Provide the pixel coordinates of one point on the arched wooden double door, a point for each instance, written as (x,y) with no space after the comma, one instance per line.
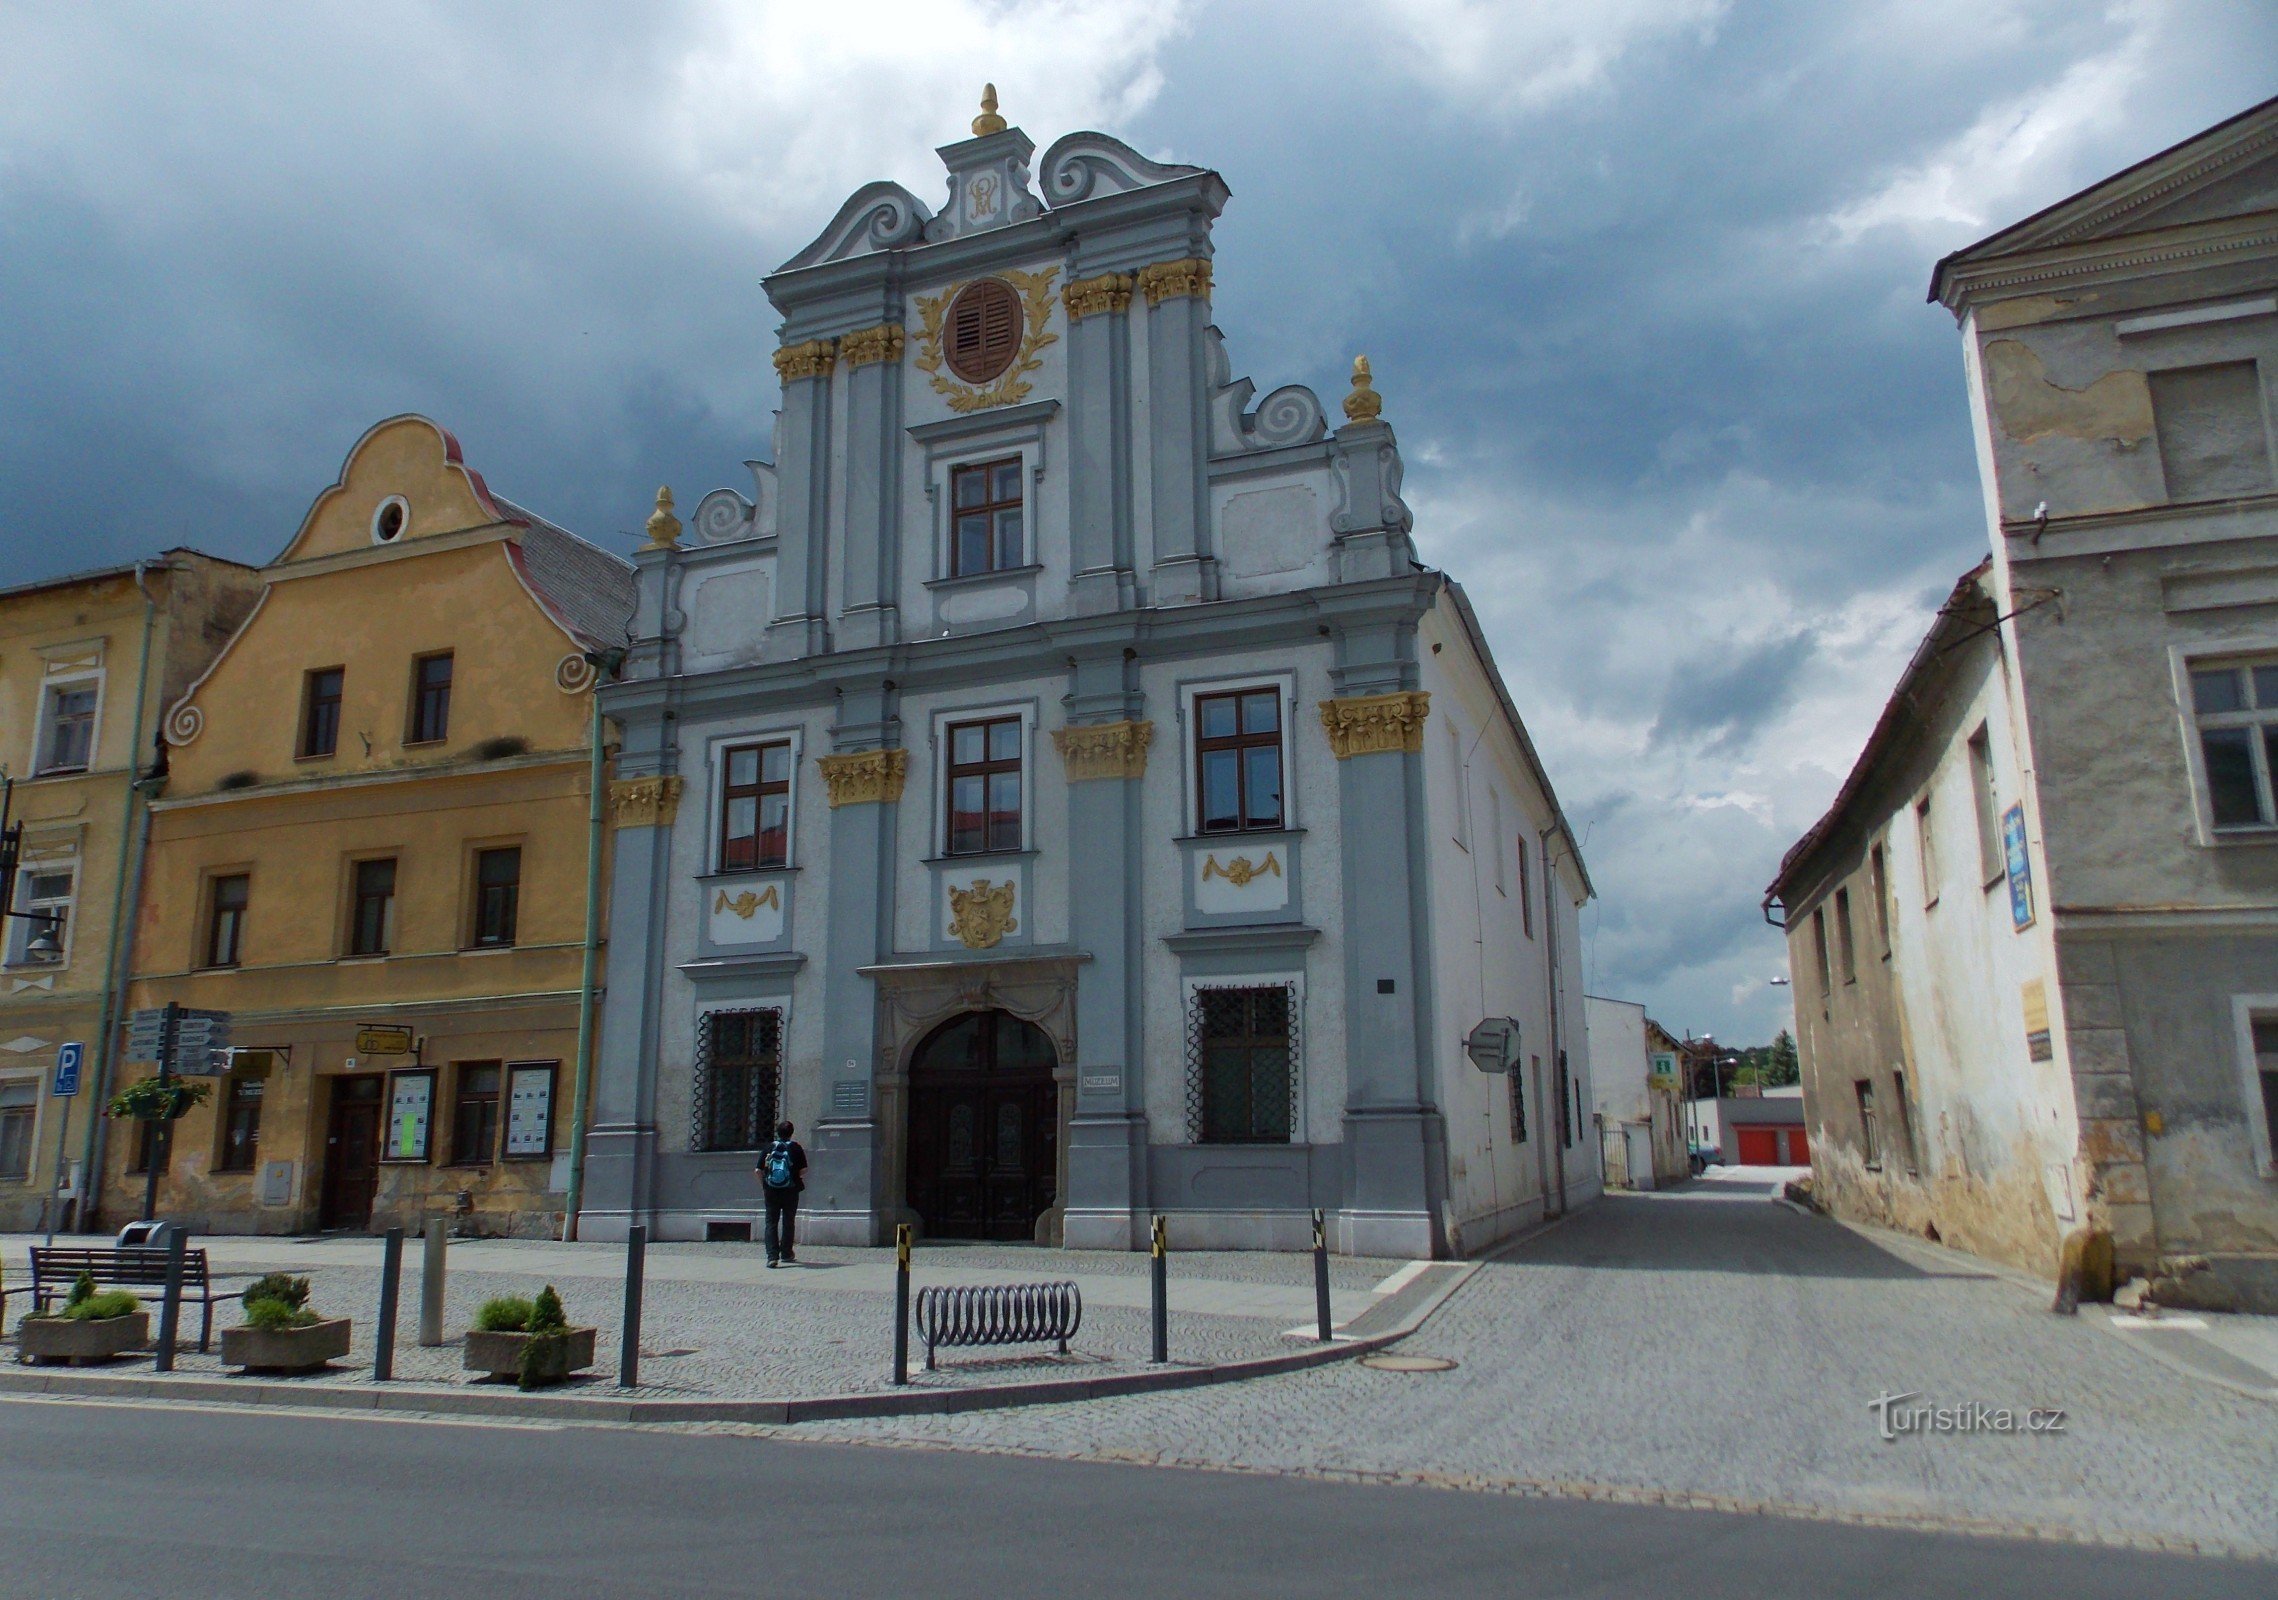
(984,1128)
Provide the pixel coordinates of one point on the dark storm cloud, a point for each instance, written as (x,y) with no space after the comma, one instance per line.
(1642,281)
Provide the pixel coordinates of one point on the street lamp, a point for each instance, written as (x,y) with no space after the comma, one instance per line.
(46,944)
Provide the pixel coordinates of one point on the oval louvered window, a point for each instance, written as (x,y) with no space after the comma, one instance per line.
(983,331)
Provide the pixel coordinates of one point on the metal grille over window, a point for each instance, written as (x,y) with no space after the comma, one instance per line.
(738,1071)
(1242,1057)
(2237,711)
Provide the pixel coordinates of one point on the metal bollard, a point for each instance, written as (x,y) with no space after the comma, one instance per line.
(170,1310)
(391,1280)
(629,1342)
(431,1284)
(1161,1268)
(1321,1275)
(901,1303)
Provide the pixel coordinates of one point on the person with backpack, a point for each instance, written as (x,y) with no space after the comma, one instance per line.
(782,1174)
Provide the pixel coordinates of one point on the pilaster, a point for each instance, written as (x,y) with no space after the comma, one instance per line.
(802,457)
(1178,309)
(1099,442)
(870,365)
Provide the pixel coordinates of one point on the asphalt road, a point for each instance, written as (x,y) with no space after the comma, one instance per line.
(103,1500)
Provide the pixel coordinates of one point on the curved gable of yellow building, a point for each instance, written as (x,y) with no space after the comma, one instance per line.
(412,462)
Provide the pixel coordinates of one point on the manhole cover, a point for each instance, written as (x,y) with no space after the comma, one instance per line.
(1408,1363)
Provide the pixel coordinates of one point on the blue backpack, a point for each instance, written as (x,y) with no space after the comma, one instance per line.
(776,1171)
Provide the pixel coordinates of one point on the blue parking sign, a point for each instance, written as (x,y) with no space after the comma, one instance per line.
(67,1059)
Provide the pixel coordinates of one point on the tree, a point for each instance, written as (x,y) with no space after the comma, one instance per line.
(1782,1067)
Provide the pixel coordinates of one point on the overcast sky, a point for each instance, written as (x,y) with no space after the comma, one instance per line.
(1642,282)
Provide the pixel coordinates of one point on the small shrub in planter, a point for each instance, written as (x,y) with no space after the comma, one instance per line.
(280,1333)
(529,1341)
(91,1326)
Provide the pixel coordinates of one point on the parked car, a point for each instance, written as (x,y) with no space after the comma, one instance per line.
(1705,1156)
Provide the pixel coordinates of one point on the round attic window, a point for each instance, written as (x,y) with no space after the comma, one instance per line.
(982,332)
(388,522)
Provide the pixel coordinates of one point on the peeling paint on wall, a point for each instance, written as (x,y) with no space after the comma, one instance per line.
(2116,406)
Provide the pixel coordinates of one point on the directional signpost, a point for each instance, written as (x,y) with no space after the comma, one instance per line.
(183,1042)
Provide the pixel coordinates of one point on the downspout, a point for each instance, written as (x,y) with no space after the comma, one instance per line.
(1557,1048)
(610,662)
(123,913)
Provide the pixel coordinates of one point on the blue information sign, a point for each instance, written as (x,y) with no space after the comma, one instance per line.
(2020,866)
(67,1060)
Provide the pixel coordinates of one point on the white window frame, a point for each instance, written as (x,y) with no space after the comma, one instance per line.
(50,686)
(1300,1086)
(19,933)
(941,472)
(716,750)
(1985,805)
(2262,1138)
(2247,651)
(38,1082)
(937,754)
(1190,721)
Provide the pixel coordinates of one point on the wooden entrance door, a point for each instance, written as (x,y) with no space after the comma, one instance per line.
(351,1153)
(984,1128)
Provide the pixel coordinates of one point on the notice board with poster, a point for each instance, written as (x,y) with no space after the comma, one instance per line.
(411,1115)
(2038,1043)
(2019,865)
(530,1109)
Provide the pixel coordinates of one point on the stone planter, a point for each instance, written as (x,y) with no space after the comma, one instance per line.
(285,1349)
(500,1354)
(63,1339)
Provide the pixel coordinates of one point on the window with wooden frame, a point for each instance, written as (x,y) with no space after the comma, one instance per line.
(19,1107)
(43,901)
(1237,761)
(988,526)
(474,1114)
(984,786)
(1526,891)
(1243,1088)
(68,744)
(320,711)
(980,334)
(498,896)
(755,806)
(2236,708)
(1870,1129)
(1878,885)
(240,1125)
(739,1061)
(227,898)
(1845,947)
(371,913)
(430,699)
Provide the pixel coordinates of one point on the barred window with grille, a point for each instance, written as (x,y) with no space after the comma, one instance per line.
(738,1075)
(1242,1065)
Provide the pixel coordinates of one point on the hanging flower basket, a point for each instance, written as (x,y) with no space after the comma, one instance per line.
(152,1101)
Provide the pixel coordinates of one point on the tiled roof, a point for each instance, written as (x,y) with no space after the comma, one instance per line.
(588,590)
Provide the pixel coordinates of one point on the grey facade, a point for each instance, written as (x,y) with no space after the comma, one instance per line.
(1231,1017)
(2103,675)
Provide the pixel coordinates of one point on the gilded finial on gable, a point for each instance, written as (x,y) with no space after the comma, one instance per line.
(988,121)
(1364,404)
(664,527)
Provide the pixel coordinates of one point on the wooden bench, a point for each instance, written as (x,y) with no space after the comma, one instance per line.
(55,1269)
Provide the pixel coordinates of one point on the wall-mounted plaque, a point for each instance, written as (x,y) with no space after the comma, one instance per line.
(530,1109)
(411,1108)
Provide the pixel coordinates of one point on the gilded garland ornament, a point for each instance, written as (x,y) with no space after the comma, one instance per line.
(1241,870)
(746,905)
(981,916)
(1365,725)
(1035,291)
(864,777)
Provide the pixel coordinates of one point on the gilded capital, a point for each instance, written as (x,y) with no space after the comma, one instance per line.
(644,802)
(1084,297)
(1366,724)
(1104,749)
(814,359)
(882,343)
(864,777)
(1167,280)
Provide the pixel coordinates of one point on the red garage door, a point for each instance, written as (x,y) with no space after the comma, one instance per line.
(1799,1148)
(1759,1147)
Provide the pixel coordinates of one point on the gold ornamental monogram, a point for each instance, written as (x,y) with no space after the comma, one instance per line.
(1104,749)
(1085,297)
(1239,871)
(864,777)
(813,359)
(747,904)
(882,343)
(1168,280)
(644,802)
(1368,724)
(1035,290)
(981,915)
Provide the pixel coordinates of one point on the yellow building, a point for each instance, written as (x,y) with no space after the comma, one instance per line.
(376,820)
(74,651)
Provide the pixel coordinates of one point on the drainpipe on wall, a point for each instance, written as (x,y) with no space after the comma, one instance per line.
(604,661)
(123,912)
(1557,1048)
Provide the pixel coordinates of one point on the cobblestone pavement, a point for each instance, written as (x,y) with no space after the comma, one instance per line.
(716,1323)
(1716,1345)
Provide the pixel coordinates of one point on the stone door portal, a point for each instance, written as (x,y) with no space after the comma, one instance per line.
(983,1128)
